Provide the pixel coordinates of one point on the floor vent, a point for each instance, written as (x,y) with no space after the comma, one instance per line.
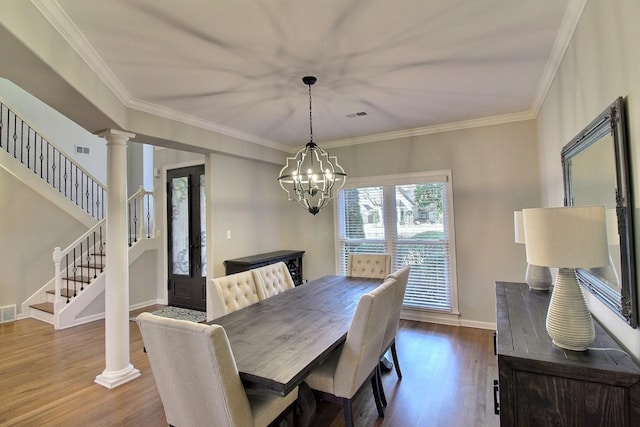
(7,313)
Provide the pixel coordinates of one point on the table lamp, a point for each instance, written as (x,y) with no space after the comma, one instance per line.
(538,277)
(567,238)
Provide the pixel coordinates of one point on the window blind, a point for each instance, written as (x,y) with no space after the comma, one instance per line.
(410,221)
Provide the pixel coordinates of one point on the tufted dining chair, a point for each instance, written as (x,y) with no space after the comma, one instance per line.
(345,372)
(230,293)
(389,341)
(197,377)
(272,279)
(376,266)
(401,277)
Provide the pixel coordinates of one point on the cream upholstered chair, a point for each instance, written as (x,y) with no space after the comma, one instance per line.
(376,266)
(349,367)
(389,341)
(401,277)
(230,293)
(272,279)
(197,377)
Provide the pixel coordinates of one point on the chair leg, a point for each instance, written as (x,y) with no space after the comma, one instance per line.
(394,354)
(376,393)
(348,415)
(383,397)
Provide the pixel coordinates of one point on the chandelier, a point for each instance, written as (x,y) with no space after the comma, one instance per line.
(312,177)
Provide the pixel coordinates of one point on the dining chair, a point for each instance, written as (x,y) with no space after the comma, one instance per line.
(389,341)
(375,266)
(401,277)
(227,294)
(345,373)
(197,377)
(272,279)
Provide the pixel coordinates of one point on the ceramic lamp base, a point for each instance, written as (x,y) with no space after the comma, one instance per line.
(538,277)
(569,322)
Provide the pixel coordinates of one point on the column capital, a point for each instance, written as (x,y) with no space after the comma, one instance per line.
(114,135)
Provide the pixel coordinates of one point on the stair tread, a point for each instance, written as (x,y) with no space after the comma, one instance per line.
(64,292)
(47,307)
(78,278)
(94,265)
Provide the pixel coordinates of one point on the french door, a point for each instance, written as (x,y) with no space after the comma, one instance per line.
(187,237)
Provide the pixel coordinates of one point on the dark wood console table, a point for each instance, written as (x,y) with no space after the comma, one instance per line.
(543,385)
(293,260)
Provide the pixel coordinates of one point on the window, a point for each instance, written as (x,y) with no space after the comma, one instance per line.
(411,218)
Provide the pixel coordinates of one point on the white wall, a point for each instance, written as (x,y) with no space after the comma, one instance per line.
(246,200)
(30,228)
(601,63)
(494,172)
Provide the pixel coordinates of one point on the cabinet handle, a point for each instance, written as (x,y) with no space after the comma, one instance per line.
(495,344)
(496,404)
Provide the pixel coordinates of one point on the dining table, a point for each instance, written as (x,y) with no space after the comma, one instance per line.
(278,341)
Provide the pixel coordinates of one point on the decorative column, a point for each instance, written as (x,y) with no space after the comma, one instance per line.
(116,299)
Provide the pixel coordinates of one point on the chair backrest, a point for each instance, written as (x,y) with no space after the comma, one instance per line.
(376,266)
(230,293)
(402,278)
(195,372)
(272,279)
(361,350)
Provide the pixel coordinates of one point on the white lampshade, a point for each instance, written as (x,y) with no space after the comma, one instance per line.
(567,237)
(518,226)
(538,277)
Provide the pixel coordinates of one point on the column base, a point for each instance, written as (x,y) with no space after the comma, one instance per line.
(112,379)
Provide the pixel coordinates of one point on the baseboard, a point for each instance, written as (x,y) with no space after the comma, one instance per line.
(450,319)
(478,325)
(146,304)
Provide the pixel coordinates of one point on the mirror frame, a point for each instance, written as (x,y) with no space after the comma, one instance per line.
(611,121)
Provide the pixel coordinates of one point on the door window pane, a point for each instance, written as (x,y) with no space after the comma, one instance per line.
(203,227)
(180,225)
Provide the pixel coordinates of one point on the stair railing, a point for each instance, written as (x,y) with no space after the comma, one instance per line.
(83,260)
(27,145)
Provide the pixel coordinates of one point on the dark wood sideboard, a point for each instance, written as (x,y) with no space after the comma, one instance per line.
(543,385)
(293,260)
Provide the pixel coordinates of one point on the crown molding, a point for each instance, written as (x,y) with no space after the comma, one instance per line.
(168,113)
(446,127)
(568,26)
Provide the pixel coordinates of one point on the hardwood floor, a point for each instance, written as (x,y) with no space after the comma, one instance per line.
(46,379)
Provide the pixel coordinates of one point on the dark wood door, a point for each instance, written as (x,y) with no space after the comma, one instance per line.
(187,237)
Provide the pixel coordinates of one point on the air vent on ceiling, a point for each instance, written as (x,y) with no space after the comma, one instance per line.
(360,114)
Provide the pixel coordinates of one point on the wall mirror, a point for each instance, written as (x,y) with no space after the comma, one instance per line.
(596,172)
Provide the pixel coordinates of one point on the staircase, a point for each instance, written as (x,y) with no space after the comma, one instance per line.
(79,277)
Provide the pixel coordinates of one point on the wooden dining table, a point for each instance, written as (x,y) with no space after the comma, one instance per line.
(278,341)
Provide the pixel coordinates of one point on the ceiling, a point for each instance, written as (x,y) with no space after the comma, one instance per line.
(411,65)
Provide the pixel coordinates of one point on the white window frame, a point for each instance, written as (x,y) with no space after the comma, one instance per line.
(406,179)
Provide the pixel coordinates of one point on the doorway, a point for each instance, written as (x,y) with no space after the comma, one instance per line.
(186,219)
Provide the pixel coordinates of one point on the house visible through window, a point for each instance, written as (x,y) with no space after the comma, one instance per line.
(411,218)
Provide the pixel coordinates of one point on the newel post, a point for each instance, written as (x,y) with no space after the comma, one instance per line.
(57,302)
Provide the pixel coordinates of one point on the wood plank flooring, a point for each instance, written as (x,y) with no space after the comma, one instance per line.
(46,379)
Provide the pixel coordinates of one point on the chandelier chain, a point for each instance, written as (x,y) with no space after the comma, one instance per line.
(310,117)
